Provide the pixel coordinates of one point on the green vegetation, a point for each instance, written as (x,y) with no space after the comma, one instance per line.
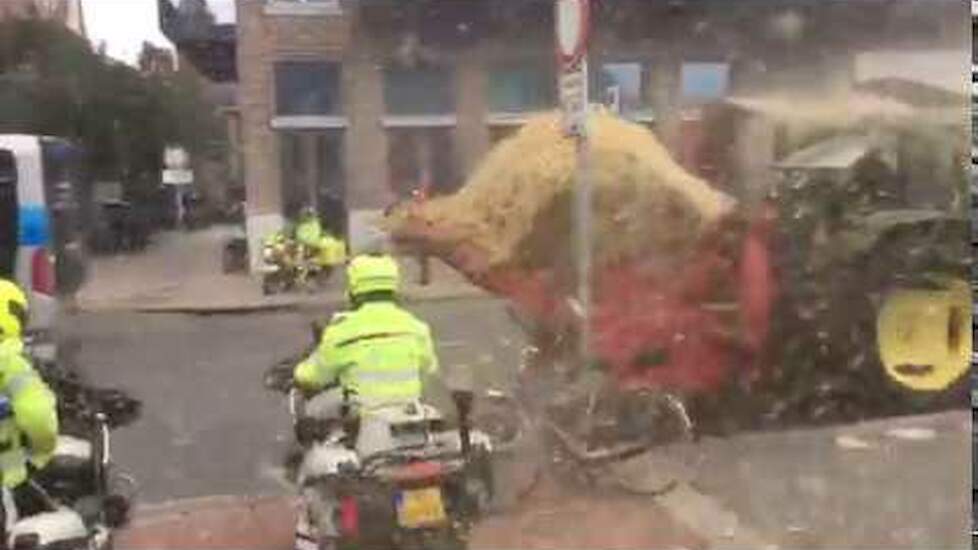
(53,83)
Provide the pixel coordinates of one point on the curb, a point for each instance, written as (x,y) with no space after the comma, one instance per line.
(291,304)
(214,310)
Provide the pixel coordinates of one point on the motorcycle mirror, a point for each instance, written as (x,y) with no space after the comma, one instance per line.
(465,397)
(279,379)
(463,403)
(317,327)
(463,400)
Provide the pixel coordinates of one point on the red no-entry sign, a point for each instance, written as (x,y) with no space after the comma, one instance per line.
(572,19)
(573,26)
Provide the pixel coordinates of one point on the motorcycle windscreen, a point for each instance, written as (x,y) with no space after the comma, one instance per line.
(9,218)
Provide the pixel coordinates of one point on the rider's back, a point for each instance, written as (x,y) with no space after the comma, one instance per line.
(380,351)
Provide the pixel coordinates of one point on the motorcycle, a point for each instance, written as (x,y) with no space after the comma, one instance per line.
(404,479)
(80,498)
(591,427)
(71,504)
(288,265)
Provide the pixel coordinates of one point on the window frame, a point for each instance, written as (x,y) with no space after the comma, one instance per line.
(303,7)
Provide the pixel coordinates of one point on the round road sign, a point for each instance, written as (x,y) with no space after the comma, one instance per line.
(573,22)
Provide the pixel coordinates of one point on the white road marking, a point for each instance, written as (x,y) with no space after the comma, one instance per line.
(852,442)
(709,519)
(912,434)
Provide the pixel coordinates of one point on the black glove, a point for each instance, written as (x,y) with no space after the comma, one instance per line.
(307,431)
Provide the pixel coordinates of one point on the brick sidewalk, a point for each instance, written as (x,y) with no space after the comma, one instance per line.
(550,519)
(181,271)
(232,523)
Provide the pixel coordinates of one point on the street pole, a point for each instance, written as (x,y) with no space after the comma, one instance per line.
(572,18)
(583,231)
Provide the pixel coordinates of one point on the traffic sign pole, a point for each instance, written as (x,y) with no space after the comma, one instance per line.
(573,21)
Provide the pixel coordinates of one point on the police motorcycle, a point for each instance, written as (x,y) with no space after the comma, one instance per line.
(287,264)
(402,477)
(68,504)
(80,497)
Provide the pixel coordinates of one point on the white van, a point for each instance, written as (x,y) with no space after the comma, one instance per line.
(40,230)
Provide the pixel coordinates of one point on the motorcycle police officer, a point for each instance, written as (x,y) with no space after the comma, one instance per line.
(320,244)
(28,408)
(309,230)
(377,352)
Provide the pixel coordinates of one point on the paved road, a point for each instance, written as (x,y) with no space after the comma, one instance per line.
(209,427)
(896,483)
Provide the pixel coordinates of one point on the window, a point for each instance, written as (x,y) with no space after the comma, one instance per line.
(422,91)
(307,88)
(620,85)
(705,81)
(521,88)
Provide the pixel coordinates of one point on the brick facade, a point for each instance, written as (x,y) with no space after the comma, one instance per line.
(363,48)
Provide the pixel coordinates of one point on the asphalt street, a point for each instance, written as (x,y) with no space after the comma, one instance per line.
(209,426)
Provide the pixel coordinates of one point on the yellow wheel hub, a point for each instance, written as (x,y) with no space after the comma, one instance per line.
(924,336)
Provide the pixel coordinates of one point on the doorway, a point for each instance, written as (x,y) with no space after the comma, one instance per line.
(313,174)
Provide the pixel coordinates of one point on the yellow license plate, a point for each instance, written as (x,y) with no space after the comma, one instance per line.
(420,508)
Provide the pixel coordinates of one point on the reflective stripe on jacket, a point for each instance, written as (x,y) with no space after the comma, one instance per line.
(379,351)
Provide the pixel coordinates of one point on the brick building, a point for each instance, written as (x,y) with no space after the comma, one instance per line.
(351,104)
